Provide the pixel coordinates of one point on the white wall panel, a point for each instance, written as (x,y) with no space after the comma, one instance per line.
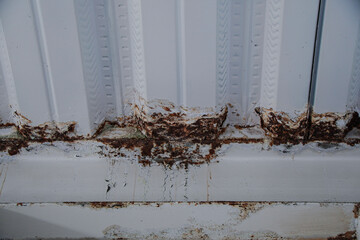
(264,55)
(160,46)
(199,51)
(6,83)
(121,54)
(338,80)
(288,49)
(24,64)
(85,61)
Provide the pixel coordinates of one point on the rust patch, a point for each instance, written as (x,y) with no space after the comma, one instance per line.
(99,205)
(164,152)
(12,146)
(351,235)
(195,233)
(281,127)
(173,136)
(332,126)
(179,126)
(356,210)
(49,131)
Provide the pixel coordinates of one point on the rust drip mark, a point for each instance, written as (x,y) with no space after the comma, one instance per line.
(350,235)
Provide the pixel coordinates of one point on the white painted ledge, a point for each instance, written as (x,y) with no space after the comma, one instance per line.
(64,172)
(178,221)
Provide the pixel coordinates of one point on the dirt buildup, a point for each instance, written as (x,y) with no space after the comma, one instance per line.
(281,127)
(332,126)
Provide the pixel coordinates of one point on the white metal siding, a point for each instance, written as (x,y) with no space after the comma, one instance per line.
(85,61)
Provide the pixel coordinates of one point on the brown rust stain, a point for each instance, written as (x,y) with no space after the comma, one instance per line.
(12,146)
(326,126)
(350,235)
(47,132)
(50,132)
(100,205)
(173,137)
(248,206)
(330,127)
(356,210)
(281,127)
(177,125)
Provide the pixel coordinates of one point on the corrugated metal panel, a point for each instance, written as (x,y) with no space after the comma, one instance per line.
(85,61)
(165,74)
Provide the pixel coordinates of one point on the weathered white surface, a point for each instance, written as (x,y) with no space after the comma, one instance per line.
(177,220)
(243,172)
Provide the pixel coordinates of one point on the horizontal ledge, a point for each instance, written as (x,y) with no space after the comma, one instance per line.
(211,220)
(74,172)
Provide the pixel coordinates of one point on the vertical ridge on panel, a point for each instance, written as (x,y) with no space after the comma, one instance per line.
(180,52)
(237,36)
(38,19)
(160,49)
(21,63)
(91,59)
(137,51)
(255,57)
(103,37)
(64,58)
(222,53)
(353,101)
(271,58)
(246,51)
(8,98)
(200,51)
(121,55)
(96,59)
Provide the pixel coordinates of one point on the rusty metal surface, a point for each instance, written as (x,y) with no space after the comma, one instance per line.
(186,135)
